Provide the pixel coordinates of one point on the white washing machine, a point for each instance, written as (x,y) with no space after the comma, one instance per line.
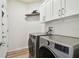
(58,46)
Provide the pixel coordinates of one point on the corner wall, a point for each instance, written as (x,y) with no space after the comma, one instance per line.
(19,28)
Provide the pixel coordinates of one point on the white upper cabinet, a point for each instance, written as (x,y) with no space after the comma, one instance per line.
(63,8)
(57,8)
(48,10)
(72,7)
(51,10)
(42,13)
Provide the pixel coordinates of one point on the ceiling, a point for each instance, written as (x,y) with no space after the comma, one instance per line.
(29,1)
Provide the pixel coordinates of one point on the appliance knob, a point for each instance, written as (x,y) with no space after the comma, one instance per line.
(48,43)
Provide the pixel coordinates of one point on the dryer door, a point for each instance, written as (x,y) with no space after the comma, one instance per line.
(46,53)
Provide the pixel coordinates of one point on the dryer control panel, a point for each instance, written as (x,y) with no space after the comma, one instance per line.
(62,48)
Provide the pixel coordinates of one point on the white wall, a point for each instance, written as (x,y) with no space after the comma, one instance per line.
(34,6)
(67,26)
(19,28)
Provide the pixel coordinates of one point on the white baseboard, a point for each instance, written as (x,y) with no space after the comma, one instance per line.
(18,49)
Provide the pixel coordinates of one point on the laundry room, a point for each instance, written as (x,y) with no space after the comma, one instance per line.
(39,29)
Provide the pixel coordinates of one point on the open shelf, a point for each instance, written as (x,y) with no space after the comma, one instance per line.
(33,14)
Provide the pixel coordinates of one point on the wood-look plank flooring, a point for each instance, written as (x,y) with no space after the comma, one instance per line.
(24,53)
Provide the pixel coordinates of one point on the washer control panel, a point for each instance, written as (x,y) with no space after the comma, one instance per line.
(62,48)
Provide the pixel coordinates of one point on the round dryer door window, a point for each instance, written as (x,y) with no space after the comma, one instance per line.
(45,53)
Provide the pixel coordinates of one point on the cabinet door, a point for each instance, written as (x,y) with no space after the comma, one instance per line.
(42,13)
(72,7)
(63,8)
(57,8)
(48,10)
(52,9)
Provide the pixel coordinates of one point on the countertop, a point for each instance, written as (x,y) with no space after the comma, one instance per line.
(65,40)
(38,34)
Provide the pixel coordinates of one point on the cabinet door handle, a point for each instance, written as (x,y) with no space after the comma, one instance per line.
(48,43)
(43,18)
(7,30)
(2,6)
(59,12)
(63,11)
